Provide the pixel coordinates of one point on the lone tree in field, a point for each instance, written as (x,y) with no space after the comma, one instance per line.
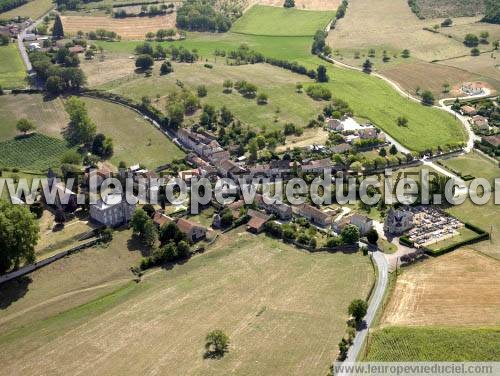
(321,75)
(402,121)
(216,344)
(24,126)
(228,86)
(289,4)
(447,22)
(166,68)
(471,40)
(446,87)
(18,235)
(57,30)
(367,66)
(427,98)
(144,62)
(357,309)
(405,53)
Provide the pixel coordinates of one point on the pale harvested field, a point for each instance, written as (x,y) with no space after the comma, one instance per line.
(110,68)
(418,74)
(487,65)
(303,4)
(68,283)
(128,28)
(48,116)
(456,289)
(372,23)
(284,311)
(315,136)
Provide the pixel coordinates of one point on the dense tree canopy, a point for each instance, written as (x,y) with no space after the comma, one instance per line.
(18,235)
(200,15)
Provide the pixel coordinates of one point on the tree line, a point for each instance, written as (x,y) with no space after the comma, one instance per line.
(6,5)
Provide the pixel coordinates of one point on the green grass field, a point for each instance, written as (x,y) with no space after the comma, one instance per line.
(12,70)
(284,104)
(35,152)
(369,97)
(48,116)
(274,21)
(264,294)
(33,9)
(134,139)
(475,165)
(400,344)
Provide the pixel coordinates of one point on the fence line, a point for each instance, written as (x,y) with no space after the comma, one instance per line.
(40,264)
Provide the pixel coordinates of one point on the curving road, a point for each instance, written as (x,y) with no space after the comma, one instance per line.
(376,300)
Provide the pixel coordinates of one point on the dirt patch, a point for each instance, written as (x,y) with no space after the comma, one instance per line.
(427,76)
(128,28)
(103,69)
(457,289)
(309,137)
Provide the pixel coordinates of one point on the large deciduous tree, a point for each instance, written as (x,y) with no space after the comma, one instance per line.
(18,235)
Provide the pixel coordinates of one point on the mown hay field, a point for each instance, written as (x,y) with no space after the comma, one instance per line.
(373,24)
(274,21)
(33,9)
(400,344)
(264,294)
(135,140)
(425,295)
(128,28)
(12,69)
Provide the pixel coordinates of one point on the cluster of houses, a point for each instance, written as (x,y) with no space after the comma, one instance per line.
(12,29)
(352,131)
(476,120)
(211,160)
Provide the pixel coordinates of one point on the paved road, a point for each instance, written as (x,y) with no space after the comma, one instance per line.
(376,300)
(20,40)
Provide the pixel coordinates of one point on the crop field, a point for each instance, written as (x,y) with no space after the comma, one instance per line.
(12,70)
(284,105)
(263,293)
(128,28)
(372,24)
(274,21)
(134,139)
(450,8)
(400,344)
(423,294)
(69,282)
(35,152)
(33,9)
(48,116)
(413,75)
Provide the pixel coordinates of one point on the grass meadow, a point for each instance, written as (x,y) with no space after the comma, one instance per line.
(12,70)
(473,164)
(33,9)
(264,294)
(400,344)
(134,139)
(369,97)
(274,21)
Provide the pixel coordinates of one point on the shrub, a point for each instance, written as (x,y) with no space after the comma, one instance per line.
(202,91)
(318,92)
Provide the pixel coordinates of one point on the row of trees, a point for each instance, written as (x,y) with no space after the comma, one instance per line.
(6,5)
